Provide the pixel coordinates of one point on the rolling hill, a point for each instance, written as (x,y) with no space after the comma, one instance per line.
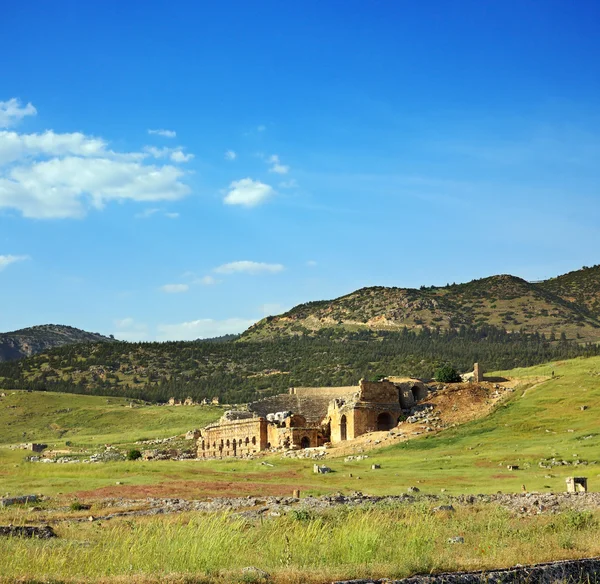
(568,304)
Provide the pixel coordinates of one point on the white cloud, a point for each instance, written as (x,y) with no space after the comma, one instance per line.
(53,175)
(311,263)
(261,128)
(7,260)
(277,167)
(164,133)
(248,192)
(175,154)
(230,155)
(179,156)
(247,267)
(147,213)
(202,328)
(175,288)
(207,281)
(289,184)
(11,112)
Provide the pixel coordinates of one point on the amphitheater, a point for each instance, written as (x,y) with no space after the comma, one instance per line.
(307,417)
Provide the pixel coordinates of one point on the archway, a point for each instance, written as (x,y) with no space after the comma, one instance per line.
(415,392)
(305,442)
(385,421)
(343,428)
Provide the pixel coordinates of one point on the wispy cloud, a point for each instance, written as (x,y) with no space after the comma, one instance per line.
(12,112)
(277,167)
(248,193)
(248,267)
(289,184)
(163,133)
(147,213)
(175,288)
(311,263)
(230,155)
(207,281)
(7,260)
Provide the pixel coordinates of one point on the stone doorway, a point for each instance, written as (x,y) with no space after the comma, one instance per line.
(305,442)
(343,428)
(385,422)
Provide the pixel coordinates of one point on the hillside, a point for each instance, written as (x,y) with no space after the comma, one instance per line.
(581,287)
(568,304)
(37,339)
(239,372)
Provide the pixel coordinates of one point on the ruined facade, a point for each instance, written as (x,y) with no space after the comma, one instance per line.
(375,407)
(311,417)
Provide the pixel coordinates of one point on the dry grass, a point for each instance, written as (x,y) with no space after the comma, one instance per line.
(394,541)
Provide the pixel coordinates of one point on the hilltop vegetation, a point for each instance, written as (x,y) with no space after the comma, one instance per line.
(240,371)
(568,304)
(37,339)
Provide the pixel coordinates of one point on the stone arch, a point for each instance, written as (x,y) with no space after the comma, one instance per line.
(254,440)
(415,392)
(247,441)
(305,442)
(385,421)
(343,428)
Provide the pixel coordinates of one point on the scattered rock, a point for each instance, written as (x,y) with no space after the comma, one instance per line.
(456,539)
(44,532)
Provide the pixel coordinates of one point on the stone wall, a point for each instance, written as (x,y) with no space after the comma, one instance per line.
(233,438)
(567,571)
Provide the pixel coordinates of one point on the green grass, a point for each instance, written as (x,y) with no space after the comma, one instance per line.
(394,541)
(532,425)
(90,421)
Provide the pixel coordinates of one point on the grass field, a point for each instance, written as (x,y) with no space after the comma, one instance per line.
(396,541)
(541,422)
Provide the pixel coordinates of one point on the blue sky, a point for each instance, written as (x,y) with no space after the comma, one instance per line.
(175,170)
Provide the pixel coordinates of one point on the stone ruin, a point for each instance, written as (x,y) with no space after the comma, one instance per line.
(311,417)
(577,485)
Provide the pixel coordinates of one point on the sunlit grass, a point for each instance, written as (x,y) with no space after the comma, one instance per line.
(395,542)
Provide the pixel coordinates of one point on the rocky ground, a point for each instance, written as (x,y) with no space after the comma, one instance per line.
(257,507)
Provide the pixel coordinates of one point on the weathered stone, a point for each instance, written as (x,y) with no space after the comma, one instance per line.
(44,532)
(22,500)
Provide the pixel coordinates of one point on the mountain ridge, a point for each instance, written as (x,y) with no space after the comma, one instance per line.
(568,304)
(39,338)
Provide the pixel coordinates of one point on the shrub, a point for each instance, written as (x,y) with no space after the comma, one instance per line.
(134,454)
(447,374)
(77,506)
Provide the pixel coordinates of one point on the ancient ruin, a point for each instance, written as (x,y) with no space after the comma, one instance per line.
(308,417)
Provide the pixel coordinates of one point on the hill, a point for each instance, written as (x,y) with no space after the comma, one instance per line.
(37,339)
(568,305)
(239,372)
(581,287)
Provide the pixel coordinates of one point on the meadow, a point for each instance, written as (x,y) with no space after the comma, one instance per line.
(539,421)
(557,417)
(299,547)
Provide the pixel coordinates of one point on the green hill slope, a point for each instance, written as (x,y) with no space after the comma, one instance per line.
(502,301)
(581,287)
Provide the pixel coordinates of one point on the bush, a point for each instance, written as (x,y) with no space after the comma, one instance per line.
(77,506)
(447,374)
(134,455)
